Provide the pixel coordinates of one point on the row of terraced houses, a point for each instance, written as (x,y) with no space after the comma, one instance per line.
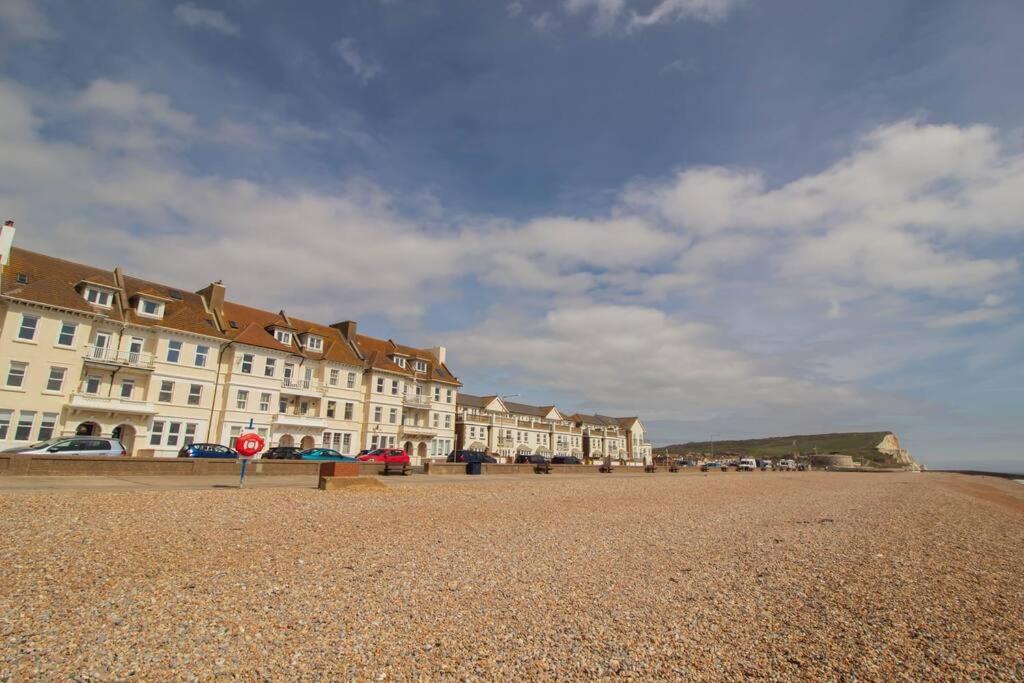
(87,351)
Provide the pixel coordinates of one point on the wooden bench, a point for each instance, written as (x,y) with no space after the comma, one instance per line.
(396,468)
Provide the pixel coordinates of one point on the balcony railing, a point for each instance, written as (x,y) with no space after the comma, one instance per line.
(109,356)
(289,420)
(423,429)
(110,404)
(301,386)
(415,401)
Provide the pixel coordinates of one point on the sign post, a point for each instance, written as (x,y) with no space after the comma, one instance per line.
(248,445)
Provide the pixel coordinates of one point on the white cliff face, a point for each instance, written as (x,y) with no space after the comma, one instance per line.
(891,449)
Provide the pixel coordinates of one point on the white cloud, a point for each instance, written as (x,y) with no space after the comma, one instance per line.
(24,20)
(364,69)
(668,11)
(622,357)
(607,13)
(193,16)
(514,9)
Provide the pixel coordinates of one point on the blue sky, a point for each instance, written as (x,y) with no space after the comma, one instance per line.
(733,217)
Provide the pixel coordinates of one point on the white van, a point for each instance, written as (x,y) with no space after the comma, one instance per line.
(787,465)
(747,465)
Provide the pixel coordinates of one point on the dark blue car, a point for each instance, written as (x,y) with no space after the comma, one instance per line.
(207,450)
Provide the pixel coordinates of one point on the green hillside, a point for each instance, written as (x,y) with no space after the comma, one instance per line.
(861,445)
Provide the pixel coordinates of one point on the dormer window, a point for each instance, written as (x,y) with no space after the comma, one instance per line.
(314,343)
(399,361)
(283,337)
(150,308)
(421,366)
(99,297)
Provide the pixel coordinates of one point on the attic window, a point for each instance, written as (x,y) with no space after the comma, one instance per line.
(150,308)
(97,296)
(283,337)
(175,294)
(314,343)
(399,361)
(421,365)
(23,278)
(233,324)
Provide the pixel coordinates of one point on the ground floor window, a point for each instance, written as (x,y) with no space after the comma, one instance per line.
(440,447)
(24,429)
(382,441)
(339,441)
(46,426)
(5,423)
(173,433)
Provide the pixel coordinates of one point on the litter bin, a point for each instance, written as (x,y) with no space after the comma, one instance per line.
(474,468)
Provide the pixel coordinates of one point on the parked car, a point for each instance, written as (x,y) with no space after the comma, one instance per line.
(393,456)
(281,453)
(72,445)
(365,451)
(566,460)
(685,463)
(789,465)
(531,458)
(747,465)
(765,465)
(324,455)
(712,466)
(470,456)
(207,450)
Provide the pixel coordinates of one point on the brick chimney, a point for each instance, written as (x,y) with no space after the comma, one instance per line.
(6,241)
(347,329)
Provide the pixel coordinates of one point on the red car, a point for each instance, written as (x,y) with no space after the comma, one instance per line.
(393,456)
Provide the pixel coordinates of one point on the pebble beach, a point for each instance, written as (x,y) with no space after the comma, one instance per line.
(696,577)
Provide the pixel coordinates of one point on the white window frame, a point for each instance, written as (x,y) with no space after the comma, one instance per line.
(174,346)
(334,376)
(349,411)
(31,324)
(241,399)
(247,361)
(47,426)
(26,421)
(351,381)
(22,374)
(6,415)
(99,297)
(63,372)
(130,383)
(380,385)
(195,395)
(60,333)
(265,399)
(202,352)
(314,343)
(399,361)
(283,337)
(378,414)
(421,366)
(99,384)
(170,391)
(270,367)
(158,311)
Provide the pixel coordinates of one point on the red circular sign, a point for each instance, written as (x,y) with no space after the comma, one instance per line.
(249,444)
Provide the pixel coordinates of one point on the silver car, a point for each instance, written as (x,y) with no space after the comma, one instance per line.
(72,445)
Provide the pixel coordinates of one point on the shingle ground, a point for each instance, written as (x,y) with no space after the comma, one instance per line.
(759,575)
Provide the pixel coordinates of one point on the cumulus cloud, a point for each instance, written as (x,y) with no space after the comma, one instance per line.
(24,20)
(193,16)
(704,294)
(363,68)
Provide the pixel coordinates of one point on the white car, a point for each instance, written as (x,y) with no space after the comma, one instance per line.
(72,445)
(787,465)
(747,465)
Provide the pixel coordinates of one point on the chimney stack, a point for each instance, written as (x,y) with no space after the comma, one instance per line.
(347,329)
(439,353)
(213,295)
(6,241)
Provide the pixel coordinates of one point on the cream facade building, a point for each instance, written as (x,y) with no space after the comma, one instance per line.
(506,429)
(95,352)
